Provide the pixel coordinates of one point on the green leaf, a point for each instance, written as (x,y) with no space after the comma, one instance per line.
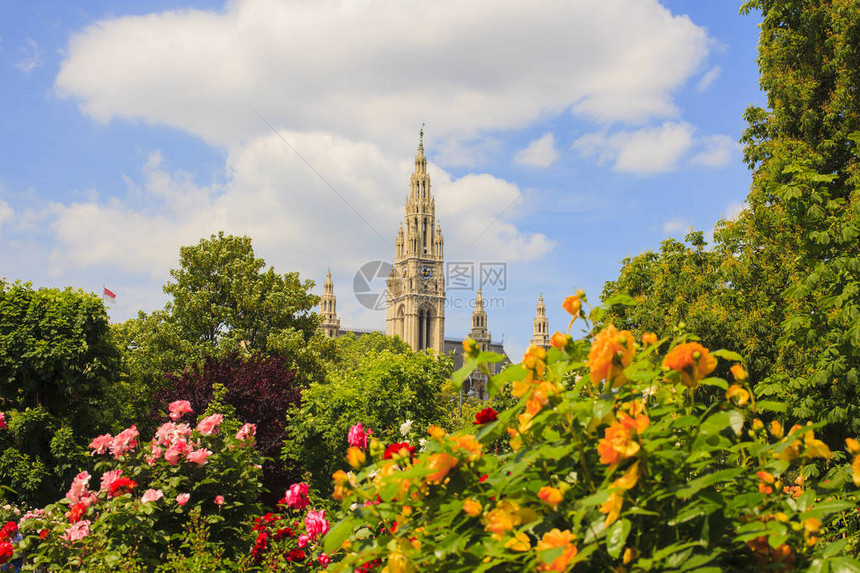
(616,538)
(622,299)
(771,406)
(336,536)
(708,480)
(728,355)
(844,565)
(718,382)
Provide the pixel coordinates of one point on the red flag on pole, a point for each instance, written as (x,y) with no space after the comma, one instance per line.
(108,295)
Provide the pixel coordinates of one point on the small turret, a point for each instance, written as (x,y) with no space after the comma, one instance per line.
(540,336)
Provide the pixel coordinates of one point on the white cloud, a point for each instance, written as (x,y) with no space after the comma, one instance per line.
(675,226)
(644,151)
(295,219)
(734,210)
(368,70)
(6,212)
(708,78)
(717,151)
(32,56)
(539,153)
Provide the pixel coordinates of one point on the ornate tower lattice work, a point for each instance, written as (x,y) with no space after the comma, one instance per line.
(330,324)
(540,336)
(477,383)
(416,285)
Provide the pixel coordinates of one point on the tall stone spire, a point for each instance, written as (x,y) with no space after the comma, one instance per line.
(416,285)
(330,324)
(540,336)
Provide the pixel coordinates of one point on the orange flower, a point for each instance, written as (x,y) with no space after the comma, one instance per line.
(815,448)
(355,457)
(852,445)
(573,305)
(516,440)
(692,360)
(557,538)
(739,373)
(472,507)
(776,429)
(561,339)
(649,338)
(855,466)
(612,507)
(738,394)
(470,348)
(611,352)
(630,478)
(617,444)
(436,432)
(550,495)
(502,519)
(519,542)
(467,443)
(440,464)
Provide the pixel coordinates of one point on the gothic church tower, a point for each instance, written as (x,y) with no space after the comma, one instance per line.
(330,323)
(540,335)
(416,285)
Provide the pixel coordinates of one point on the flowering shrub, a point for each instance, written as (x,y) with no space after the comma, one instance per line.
(146,492)
(614,467)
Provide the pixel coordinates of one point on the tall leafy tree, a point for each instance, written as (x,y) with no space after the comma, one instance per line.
(784,275)
(57,363)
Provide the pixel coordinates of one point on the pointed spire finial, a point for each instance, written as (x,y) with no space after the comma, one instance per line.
(421,136)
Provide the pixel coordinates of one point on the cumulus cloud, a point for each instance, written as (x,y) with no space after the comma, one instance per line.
(365,70)
(539,153)
(32,56)
(644,151)
(734,210)
(297,220)
(675,227)
(709,78)
(717,151)
(6,212)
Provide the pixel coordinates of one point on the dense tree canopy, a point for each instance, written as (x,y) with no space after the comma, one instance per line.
(56,363)
(783,279)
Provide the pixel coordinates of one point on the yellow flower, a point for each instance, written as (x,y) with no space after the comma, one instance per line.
(467,443)
(472,507)
(611,352)
(551,540)
(550,495)
(355,457)
(739,373)
(855,465)
(618,441)
(502,519)
(398,563)
(692,360)
(470,348)
(629,555)
(436,432)
(516,440)
(738,394)
(560,340)
(852,445)
(629,479)
(519,542)
(440,464)
(815,448)
(649,338)
(612,507)
(573,305)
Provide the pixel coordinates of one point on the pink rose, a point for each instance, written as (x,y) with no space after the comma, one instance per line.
(178,408)
(297,496)
(208,424)
(303,539)
(183,498)
(123,442)
(316,523)
(152,495)
(101,444)
(246,431)
(219,499)
(77,531)
(155,453)
(169,432)
(2,420)
(108,478)
(323,559)
(80,487)
(199,457)
(176,450)
(357,436)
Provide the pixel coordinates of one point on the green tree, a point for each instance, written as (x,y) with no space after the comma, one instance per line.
(223,300)
(390,385)
(783,278)
(56,362)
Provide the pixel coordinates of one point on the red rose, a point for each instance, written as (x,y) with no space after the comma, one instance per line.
(296,555)
(6,551)
(122,485)
(485,416)
(77,511)
(395,449)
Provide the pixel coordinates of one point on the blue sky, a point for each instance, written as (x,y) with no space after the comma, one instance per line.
(131,129)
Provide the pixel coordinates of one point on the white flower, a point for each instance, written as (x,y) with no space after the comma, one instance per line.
(405,428)
(353,507)
(422,442)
